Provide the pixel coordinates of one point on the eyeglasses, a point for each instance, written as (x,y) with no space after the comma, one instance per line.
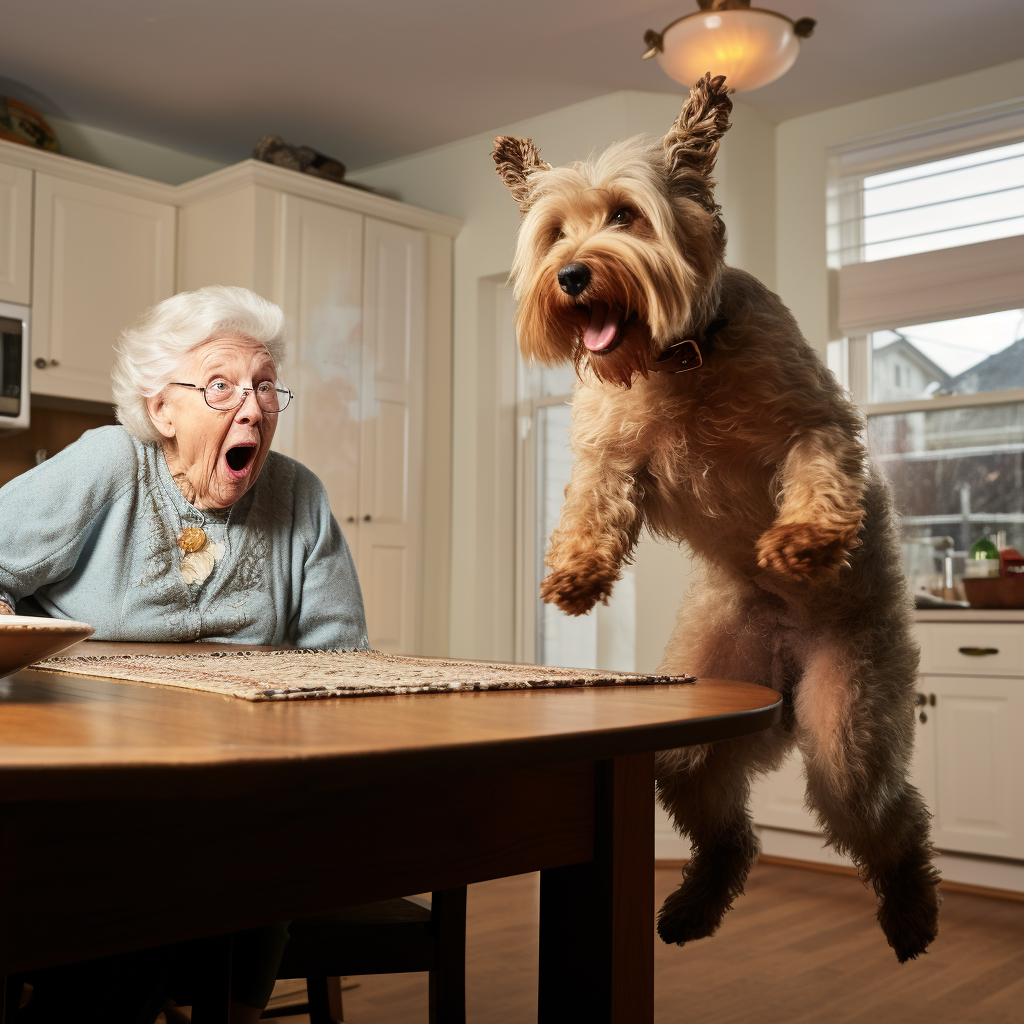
(224,396)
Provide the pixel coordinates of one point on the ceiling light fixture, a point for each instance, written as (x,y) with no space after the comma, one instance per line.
(749,46)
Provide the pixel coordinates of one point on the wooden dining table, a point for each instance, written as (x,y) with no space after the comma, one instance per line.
(135,815)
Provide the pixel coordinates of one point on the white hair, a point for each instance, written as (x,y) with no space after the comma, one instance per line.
(150,352)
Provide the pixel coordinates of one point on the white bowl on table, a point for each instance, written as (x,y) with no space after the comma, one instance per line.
(28,638)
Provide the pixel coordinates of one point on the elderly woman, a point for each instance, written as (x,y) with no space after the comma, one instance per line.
(182,524)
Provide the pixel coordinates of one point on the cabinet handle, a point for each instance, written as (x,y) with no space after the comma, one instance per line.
(924,718)
(351,519)
(921,699)
(366,519)
(40,363)
(931,699)
(53,362)
(978,652)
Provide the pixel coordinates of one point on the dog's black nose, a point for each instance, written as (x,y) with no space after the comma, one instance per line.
(573,278)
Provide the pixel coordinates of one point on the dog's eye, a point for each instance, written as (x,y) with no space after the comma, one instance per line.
(623,215)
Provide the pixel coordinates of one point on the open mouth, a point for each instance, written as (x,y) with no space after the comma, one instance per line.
(239,459)
(607,327)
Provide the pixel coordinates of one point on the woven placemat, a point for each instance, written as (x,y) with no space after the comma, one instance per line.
(311,675)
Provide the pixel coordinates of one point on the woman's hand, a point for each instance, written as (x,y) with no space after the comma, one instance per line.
(6,609)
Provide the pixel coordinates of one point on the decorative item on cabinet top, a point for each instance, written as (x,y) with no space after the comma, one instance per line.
(272,149)
(20,123)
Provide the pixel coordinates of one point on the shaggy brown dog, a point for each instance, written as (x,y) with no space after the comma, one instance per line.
(755,460)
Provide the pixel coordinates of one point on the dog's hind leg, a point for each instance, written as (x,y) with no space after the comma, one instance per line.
(705,789)
(855,728)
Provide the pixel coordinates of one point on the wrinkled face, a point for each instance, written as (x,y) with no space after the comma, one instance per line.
(613,263)
(216,456)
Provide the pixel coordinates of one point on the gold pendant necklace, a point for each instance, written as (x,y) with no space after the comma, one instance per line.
(198,552)
(192,538)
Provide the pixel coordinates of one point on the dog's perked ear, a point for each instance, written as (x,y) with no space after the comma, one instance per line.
(516,160)
(691,144)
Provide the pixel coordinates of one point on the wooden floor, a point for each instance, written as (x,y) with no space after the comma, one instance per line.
(801,947)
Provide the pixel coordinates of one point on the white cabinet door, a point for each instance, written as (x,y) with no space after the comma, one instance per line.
(101,258)
(391,457)
(777,800)
(979,762)
(15,234)
(322,295)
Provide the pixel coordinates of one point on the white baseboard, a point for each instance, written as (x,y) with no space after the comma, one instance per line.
(778,842)
(988,872)
(964,869)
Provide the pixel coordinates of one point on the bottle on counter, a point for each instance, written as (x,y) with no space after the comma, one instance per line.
(982,560)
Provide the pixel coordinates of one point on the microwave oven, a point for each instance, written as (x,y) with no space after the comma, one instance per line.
(14,367)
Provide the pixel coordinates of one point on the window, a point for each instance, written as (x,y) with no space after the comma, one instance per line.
(606,637)
(929,253)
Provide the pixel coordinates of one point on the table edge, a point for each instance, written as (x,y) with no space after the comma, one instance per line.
(209,778)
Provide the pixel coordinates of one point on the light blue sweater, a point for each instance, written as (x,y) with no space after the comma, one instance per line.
(91,534)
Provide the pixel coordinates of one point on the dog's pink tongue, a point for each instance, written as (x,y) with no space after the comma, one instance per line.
(604,322)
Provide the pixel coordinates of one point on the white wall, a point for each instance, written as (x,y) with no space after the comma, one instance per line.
(133,156)
(459,179)
(802,148)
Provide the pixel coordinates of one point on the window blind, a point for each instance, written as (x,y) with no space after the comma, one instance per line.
(934,185)
(926,287)
(929,224)
(973,197)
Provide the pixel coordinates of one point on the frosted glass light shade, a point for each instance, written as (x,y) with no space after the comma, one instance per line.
(750,47)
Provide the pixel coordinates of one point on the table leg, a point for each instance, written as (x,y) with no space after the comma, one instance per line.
(10,997)
(448,979)
(213,986)
(597,918)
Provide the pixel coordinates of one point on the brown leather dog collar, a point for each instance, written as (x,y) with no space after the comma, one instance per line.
(689,353)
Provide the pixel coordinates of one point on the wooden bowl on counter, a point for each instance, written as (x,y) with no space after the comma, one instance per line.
(996,592)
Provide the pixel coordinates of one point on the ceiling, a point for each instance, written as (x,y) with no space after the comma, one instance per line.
(377,79)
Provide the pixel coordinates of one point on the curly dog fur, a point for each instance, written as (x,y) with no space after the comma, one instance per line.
(754,460)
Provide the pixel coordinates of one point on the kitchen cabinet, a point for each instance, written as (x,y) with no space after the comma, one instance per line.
(100,259)
(353,292)
(321,261)
(971,759)
(391,432)
(15,234)
(777,799)
(969,749)
(364,283)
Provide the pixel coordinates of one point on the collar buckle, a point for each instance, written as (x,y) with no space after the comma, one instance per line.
(679,358)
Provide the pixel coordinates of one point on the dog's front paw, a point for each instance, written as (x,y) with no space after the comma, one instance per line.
(575,584)
(803,550)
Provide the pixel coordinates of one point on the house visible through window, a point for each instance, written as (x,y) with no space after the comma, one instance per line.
(944,393)
(951,357)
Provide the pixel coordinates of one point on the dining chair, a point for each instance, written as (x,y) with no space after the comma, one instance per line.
(391,937)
